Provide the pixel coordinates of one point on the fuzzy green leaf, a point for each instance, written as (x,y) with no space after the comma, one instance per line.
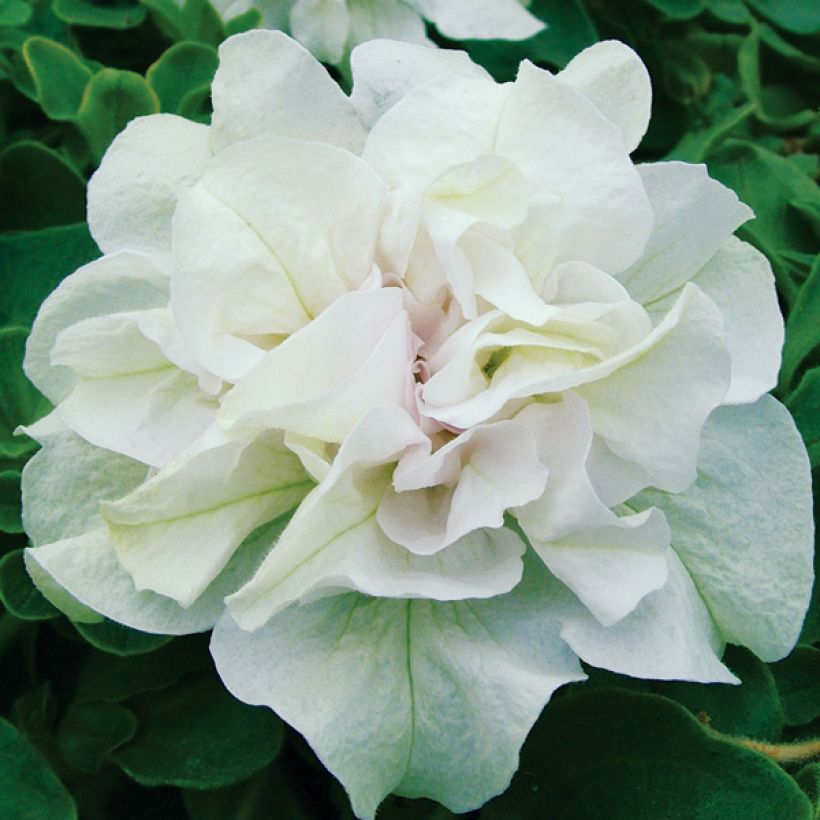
(18,593)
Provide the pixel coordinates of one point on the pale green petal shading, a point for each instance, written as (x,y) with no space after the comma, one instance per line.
(176,532)
(744,529)
(669,636)
(123,281)
(267,84)
(131,198)
(65,481)
(322,27)
(415,697)
(615,79)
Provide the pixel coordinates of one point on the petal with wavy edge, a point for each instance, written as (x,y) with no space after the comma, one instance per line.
(322,27)
(176,532)
(469,483)
(82,574)
(669,636)
(739,280)
(68,467)
(589,203)
(385,71)
(418,697)
(694,216)
(615,79)
(298,97)
(744,529)
(131,198)
(121,282)
(334,542)
(651,411)
(291,226)
(322,380)
(480,19)
(129,397)
(610,563)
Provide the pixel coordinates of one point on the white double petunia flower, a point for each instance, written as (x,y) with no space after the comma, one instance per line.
(330,29)
(417,397)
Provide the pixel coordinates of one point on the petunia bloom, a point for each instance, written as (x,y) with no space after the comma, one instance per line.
(419,397)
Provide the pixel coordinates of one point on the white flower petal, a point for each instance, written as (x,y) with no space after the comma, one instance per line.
(414,697)
(744,529)
(121,282)
(739,279)
(694,215)
(469,483)
(321,26)
(385,71)
(67,467)
(322,380)
(610,563)
(291,227)
(386,19)
(131,198)
(175,533)
(670,636)
(480,19)
(267,84)
(615,79)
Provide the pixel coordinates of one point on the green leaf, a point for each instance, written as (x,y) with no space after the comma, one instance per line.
(29,790)
(40,188)
(18,593)
(802,327)
(195,735)
(752,709)
(679,9)
(33,264)
(768,184)
(796,57)
(246,21)
(10,501)
(569,31)
(199,21)
(105,677)
(183,68)
(59,76)
(730,11)
(88,732)
(118,639)
(804,405)
(14,12)
(808,778)
(623,755)
(34,714)
(798,680)
(21,404)
(116,15)
(111,100)
(795,16)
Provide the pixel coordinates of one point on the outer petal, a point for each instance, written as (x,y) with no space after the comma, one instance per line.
(744,529)
(334,542)
(418,697)
(480,19)
(467,484)
(291,226)
(84,572)
(384,71)
(67,467)
(385,19)
(129,397)
(694,215)
(670,636)
(321,26)
(299,98)
(615,79)
(121,282)
(322,380)
(131,198)
(175,533)
(739,279)
(610,563)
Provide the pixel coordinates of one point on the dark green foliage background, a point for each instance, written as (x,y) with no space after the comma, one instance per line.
(103,722)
